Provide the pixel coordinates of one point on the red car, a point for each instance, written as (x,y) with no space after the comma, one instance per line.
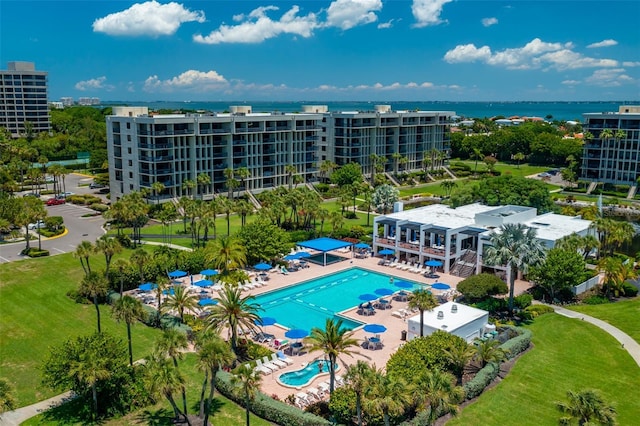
(55,201)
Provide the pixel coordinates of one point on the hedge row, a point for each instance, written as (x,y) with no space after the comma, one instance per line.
(512,348)
(268,408)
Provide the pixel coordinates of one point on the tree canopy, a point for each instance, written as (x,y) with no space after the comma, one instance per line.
(348,174)
(482,285)
(263,241)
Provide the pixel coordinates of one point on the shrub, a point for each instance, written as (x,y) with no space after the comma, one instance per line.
(124,241)
(482,285)
(320,408)
(77,297)
(522,301)
(481,380)
(515,346)
(595,300)
(350,215)
(255,351)
(629,290)
(535,311)
(492,304)
(99,207)
(34,252)
(342,406)
(274,411)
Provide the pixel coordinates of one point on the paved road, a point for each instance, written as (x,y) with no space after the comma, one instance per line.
(79,228)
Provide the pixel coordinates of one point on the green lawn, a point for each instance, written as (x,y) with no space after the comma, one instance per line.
(567,355)
(226,412)
(35,314)
(524,169)
(624,315)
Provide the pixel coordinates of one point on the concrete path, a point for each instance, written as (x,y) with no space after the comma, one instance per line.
(15,417)
(627,342)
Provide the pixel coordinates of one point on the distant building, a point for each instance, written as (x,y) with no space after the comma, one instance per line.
(56,105)
(67,101)
(612,153)
(177,148)
(24,98)
(88,101)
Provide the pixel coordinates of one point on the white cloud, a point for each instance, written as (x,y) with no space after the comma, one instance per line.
(346,14)
(487,22)
(427,12)
(150,18)
(603,43)
(535,54)
(571,82)
(630,64)
(386,25)
(94,84)
(188,81)
(258,27)
(609,78)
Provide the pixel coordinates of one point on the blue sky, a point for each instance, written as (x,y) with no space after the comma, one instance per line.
(369,50)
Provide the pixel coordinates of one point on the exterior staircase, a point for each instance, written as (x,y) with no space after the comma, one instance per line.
(592,186)
(465,265)
(391,178)
(311,187)
(253,200)
(632,192)
(449,172)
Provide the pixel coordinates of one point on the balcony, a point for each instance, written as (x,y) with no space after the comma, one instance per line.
(156,159)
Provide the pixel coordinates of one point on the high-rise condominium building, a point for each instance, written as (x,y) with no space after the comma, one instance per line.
(194,153)
(24,98)
(612,146)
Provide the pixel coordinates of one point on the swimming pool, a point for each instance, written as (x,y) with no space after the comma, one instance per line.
(301,378)
(310,303)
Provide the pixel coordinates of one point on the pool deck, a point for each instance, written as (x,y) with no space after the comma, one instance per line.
(391,339)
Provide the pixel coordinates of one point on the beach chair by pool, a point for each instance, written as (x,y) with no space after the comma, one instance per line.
(417,269)
(280,363)
(262,368)
(283,357)
(270,365)
(324,386)
(259,368)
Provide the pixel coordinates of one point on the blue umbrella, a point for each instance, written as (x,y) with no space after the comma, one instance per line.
(296,333)
(362,246)
(262,266)
(291,257)
(265,321)
(203,283)
(433,263)
(367,297)
(209,272)
(375,328)
(440,286)
(147,286)
(169,292)
(384,291)
(303,254)
(403,284)
(177,274)
(386,252)
(206,302)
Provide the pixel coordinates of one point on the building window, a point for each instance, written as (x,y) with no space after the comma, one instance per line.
(130,163)
(128,125)
(130,175)
(128,150)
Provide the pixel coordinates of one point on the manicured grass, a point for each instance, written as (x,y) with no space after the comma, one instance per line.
(524,169)
(35,314)
(567,355)
(226,412)
(624,315)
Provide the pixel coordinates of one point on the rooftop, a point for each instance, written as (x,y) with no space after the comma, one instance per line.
(451,321)
(442,216)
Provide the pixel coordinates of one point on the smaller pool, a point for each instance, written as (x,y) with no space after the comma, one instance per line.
(301,378)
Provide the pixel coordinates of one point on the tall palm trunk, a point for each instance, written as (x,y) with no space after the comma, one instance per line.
(203,401)
(421,323)
(211,391)
(95,302)
(512,287)
(247,411)
(183,390)
(359,408)
(129,341)
(94,393)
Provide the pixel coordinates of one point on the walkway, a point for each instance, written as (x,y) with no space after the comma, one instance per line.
(627,342)
(15,417)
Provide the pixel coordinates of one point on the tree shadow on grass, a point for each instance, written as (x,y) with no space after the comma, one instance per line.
(164,416)
(73,412)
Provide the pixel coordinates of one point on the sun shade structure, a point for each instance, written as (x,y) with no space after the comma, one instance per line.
(147,286)
(296,333)
(262,266)
(384,291)
(367,297)
(362,246)
(291,257)
(177,274)
(403,284)
(209,272)
(386,252)
(440,286)
(203,283)
(207,302)
(265,321)
(433,263)
(374,328)
(324,245)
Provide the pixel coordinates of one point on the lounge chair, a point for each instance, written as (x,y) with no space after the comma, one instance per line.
(275,360)
(417,269)
(261,367)
(283,357)
(270,365)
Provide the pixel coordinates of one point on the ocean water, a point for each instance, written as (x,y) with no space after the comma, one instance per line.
(558,110)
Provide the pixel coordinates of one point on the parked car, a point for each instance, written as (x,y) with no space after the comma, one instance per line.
(55,201)
(94,185)
(32,194)
(64,195)
(37,225)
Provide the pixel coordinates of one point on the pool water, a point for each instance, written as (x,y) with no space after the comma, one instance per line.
(301,378)
(310,303)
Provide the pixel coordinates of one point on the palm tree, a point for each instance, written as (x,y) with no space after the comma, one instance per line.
(387,395)
(290,169)
(587,407)
(233,312)
(203,181)
(188,185)
(94,286)
(334,341)
(121,265)
(448,186)
(489,351)
(165,379)
(248,382)
(243,173)
(243,208)
(359,377)
(213,354)
(226,253)
(615,274)
(7,399)
(172,344)
(458,356)
(182,300)
(128,309)
(476,155)
(516,247)
(323,215)
(228,174)
(157,188)
(436,390)
(84,250)
(225,205)
(422,300)
(89,368)
(109,247)
(139,258)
